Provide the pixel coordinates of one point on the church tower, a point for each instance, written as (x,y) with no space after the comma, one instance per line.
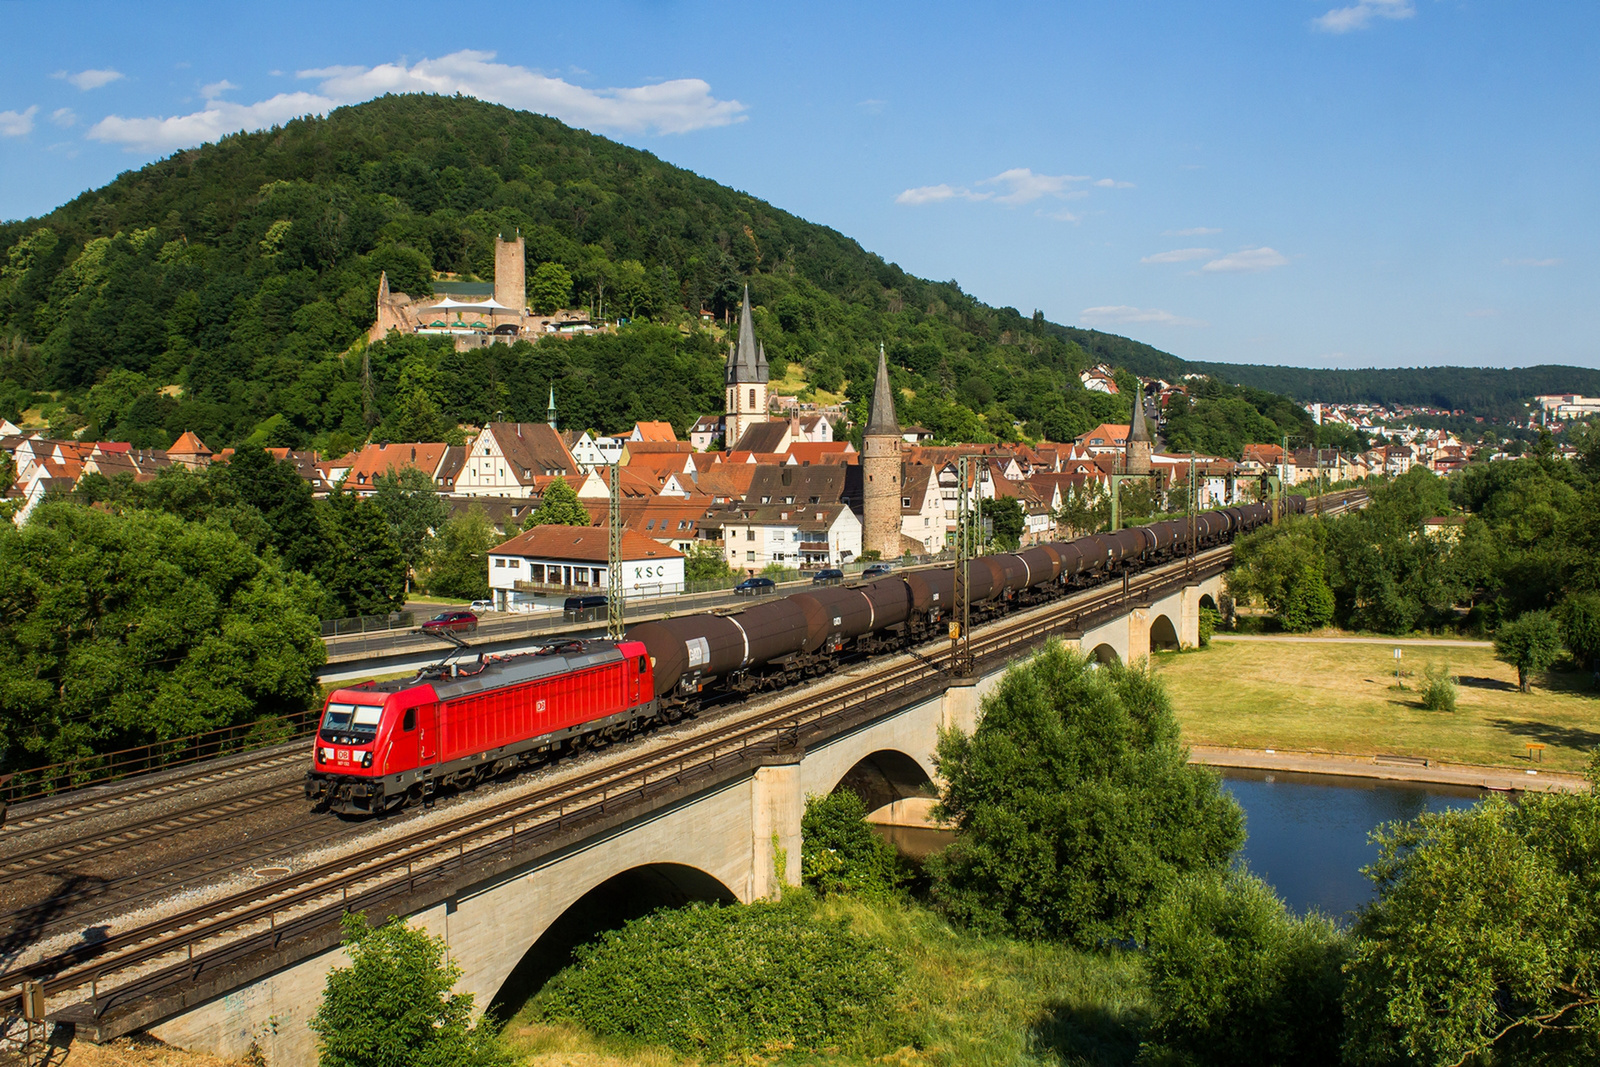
(1137,459)
(880,470)
(746,380)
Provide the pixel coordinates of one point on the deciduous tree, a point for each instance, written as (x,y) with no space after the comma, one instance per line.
(1074,805)
(1531,642)
(558,506)
(458,559)
(411,506)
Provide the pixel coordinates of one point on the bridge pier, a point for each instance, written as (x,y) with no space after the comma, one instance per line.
(778,803)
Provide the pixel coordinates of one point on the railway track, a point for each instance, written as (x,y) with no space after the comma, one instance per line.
(240,922)
(181,947)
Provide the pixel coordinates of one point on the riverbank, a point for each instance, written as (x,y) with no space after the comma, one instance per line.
(1394,770)
(1337,698)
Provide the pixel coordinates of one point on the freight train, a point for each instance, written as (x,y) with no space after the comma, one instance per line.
(383,744)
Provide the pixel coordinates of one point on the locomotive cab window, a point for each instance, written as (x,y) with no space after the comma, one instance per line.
(409,723)
(641,664)
(350,724)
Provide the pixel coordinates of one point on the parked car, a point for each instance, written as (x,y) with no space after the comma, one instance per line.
(828,576)
(455,621)
(877,570)
(754,587)
(588,608)
(481,606)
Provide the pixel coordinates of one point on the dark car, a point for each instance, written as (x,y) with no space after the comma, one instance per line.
(830,576)
(877,570)
(754,587)
(456,621)
(584,608)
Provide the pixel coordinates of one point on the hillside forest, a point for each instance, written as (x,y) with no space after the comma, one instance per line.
(228,290)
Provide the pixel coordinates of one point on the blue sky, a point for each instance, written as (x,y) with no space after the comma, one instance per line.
(1316,182)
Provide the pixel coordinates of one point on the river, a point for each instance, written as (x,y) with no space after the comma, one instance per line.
(1308,832)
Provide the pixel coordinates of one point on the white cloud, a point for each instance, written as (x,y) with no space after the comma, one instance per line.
(933,194)
(216,89)
(1023,186)
(89,79)
(1248,259)
(872,107)
(17,123)
(1179,255)
(666,107)
(1014,187)
(1193,231)
(64,117)
(1529,262)
(1359,16)
(1122,315)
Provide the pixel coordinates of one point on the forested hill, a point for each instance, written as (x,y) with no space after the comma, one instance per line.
(226,289)
(1477,390)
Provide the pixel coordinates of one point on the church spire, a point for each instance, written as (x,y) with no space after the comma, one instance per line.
(747,361)
(881,418)
(550,414)
(1138,431)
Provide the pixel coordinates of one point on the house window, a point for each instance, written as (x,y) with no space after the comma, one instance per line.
(516,564)
(905,502)
(752,400)
(499,563)
(750,557)
(750,534)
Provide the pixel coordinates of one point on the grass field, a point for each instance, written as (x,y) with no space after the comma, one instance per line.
(1339,698)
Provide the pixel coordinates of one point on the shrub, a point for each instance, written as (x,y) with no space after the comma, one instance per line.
(1209,619)
(393,1006)
(1074,804)
(1236,979)
(1438,688)
(839,853)
(723,981)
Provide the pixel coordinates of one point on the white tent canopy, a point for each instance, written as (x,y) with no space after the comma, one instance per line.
(490,304)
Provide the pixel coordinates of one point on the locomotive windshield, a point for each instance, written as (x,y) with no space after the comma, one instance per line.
(350,724)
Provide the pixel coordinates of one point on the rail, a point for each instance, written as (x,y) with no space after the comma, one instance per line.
(314,897)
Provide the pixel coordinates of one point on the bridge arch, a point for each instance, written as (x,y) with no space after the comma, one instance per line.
(1104,653)
(627,895)
(885,776)
(1164,634)
(1209,601)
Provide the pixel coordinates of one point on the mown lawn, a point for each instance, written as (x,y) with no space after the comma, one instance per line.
(1340,698)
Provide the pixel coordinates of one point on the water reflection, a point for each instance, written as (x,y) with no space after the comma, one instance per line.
(1308,833)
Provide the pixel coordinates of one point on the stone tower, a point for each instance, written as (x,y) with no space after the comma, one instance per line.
(746,380)
(1137,460)
(511,273)
(880,470)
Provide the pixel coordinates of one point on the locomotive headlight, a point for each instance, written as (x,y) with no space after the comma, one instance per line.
(366,759)
(322,754)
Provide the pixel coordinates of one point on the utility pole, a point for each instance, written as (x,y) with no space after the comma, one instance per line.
(961,621)
(1194,505)
(614,558)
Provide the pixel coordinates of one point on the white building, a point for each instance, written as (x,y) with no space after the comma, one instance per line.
(537,569)
(791,535)
(506,458)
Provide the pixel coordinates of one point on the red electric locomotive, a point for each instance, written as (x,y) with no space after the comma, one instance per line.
(381,744)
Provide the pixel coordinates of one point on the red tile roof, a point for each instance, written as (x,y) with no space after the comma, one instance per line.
(582,544)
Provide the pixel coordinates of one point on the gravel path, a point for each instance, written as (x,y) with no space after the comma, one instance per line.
(1299,640)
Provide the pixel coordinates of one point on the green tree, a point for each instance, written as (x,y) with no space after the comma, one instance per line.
(1008,518)
(124,628)
(550,288)
(410,504)
(704,563)
(1074,805)
(393,1006)
(363,571)
(458,558)
(254,479)
(558,506)
(1580,629)
(1481,946)
(1236,979)
(1308,603)
(839,851)
(1282,567)
(1085,509)
(1531,642)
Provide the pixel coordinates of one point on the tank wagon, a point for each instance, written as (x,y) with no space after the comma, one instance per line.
(772,645)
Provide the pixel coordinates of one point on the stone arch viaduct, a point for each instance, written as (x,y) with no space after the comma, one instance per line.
(736,840)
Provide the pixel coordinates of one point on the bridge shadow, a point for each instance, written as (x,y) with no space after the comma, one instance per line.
(610,905)
(1573,737)
(26,925)
(1089,1035)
